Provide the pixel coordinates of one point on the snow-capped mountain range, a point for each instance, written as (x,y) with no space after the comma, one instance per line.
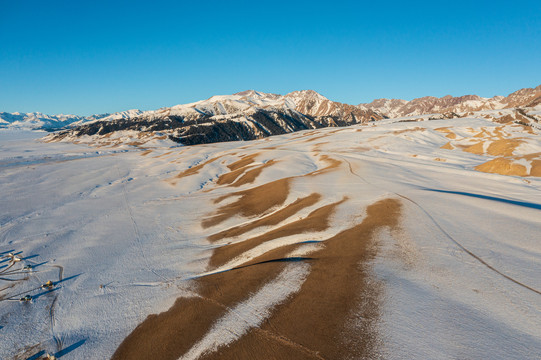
(392,108)
(40,121)
(250,115)
(247,115)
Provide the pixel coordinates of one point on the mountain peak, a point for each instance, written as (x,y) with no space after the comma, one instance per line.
(257,94)
(306,94)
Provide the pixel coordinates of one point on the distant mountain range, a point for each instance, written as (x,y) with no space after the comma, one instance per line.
(393,108)
(251,115)
(40,121)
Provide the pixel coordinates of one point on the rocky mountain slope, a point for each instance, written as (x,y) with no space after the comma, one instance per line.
(246,115)
(392,108)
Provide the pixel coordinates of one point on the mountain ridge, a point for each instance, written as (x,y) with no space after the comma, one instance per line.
(308,102)
(250,115)
(525,97)
(247,115)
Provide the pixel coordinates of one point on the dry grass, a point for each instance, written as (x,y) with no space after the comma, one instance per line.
(250,176)
(269,220)
(163,155)
(536,168)
(191,171)
(316,138)
(245,161)
(477,148)
(447,146)
(312,324)
(317,220)
(333,164)
(398,132)
(502,166)
(503,147)
(228,178)
(251,202)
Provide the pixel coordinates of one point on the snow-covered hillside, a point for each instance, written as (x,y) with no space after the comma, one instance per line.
(399,239)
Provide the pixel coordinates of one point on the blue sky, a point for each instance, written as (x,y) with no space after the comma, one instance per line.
(88,57)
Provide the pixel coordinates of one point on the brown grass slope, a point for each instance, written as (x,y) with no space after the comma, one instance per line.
(312,324)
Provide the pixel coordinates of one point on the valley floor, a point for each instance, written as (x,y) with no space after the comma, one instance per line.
(391,241)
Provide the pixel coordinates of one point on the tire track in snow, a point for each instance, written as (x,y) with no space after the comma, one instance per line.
(449,237)
(60,271)
(58,341)
(136,228)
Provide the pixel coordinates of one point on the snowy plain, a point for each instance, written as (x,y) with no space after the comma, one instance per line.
(121,237)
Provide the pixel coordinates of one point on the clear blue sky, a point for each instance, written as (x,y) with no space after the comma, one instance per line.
(88,57)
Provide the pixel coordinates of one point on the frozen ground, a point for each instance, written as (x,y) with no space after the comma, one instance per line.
(119,232)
